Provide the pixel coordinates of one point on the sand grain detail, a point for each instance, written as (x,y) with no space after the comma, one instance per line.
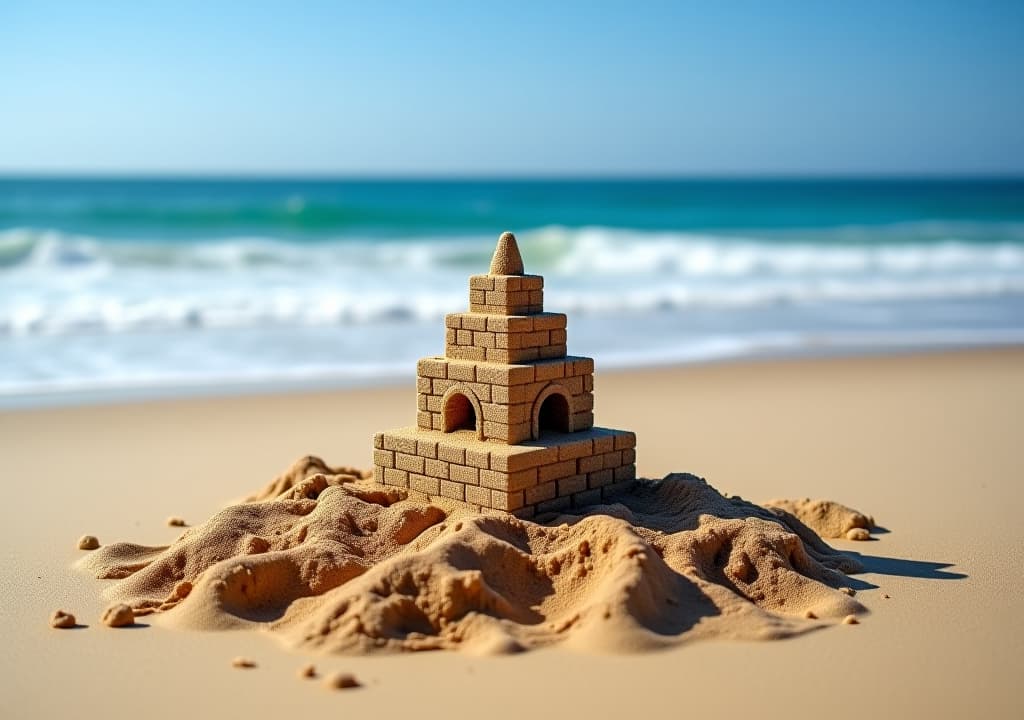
(329,561)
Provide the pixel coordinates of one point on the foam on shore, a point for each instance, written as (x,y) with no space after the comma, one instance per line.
(327,560)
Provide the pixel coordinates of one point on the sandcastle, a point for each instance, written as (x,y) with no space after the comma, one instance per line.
(506,418)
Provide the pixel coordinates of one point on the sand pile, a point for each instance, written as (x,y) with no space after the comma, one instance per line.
(326,559)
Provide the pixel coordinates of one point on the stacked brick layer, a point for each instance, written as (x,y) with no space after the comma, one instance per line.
(504,338)
(561,471)
(506,393)
(506,294)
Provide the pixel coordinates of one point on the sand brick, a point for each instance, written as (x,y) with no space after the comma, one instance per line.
(549,370)
(482,390)
(432,368)
(453,321)
(557,337)
(531,282)
(523,460)
(585,402)
(424,420)
(573,384)
(575,450)
(551,352)
(436,468)
(572,484)
(583,366)
(453,490)
(483,339)
(412,463)
(426,448)
(506,283)
(550,321)
(588,383)
(424,385)
(625,441)
(463,372)
(440,385)
(481,282)
(436,421)
(474,322)
(612,460)
(451,454)
(451,337)
(540,493)
(628,456)
(501,500)
(478,458)
(478,495)
(505,374)
(600,478)
(399,478)
(583,421)
(537,299)
(401,444)
(590,463)
(476,299)
(464,474)
(510,323)
(625,473)
(555,471)
(604,443)
(384,458)
(465,337)
(424,484)
(378,440)
(433,403)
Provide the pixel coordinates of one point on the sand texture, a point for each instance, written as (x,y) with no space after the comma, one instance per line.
(335,562)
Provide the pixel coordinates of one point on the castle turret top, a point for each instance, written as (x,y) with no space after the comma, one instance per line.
(507,260)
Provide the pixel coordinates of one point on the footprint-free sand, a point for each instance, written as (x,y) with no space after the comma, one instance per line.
(927,444)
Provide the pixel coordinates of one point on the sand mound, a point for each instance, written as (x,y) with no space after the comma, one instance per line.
(827,518)
(326,559)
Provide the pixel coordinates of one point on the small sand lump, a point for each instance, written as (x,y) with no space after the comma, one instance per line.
(243,662)
(342,681)
(88,542)
(851,620)
(61,619)
(175,521)
(858,534)
(118,615)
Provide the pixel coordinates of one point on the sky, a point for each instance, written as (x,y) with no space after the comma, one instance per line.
(524,88)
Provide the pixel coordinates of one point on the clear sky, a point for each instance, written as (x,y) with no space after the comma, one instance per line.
(513,88)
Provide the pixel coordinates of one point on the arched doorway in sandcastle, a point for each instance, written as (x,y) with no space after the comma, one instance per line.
(552,412)
(461,410)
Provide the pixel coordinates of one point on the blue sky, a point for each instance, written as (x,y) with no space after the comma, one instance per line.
(513,88)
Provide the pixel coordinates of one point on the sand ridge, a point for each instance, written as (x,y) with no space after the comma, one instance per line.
(325,559)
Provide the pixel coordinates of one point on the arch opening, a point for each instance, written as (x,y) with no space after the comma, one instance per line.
(553,415)
(459,413)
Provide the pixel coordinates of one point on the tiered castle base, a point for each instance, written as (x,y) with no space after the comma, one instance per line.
(551,474)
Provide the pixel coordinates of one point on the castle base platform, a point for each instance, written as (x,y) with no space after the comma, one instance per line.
(559,471)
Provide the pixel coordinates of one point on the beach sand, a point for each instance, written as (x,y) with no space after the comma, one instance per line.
(927,444)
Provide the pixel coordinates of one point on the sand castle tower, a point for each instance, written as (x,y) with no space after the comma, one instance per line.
(506,417)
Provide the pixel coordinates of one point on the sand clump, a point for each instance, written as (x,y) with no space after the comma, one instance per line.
(63,620)
(307,671)
(88,542)
(243,663)
(175,521)
(341,681)
(118,615)
(827,518)
(327,560)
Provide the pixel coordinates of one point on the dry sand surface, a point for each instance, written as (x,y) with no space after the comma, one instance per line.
(929,445)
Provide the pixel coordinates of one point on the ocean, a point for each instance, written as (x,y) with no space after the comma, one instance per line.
(121,288)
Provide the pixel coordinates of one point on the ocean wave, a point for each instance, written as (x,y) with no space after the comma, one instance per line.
(54,283)
(593,250)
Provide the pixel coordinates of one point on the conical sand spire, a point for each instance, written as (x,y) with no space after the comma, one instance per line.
(507,260)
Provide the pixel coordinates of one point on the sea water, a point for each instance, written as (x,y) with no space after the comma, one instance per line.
(155,287)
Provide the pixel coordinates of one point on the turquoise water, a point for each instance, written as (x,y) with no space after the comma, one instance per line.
(166,286)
